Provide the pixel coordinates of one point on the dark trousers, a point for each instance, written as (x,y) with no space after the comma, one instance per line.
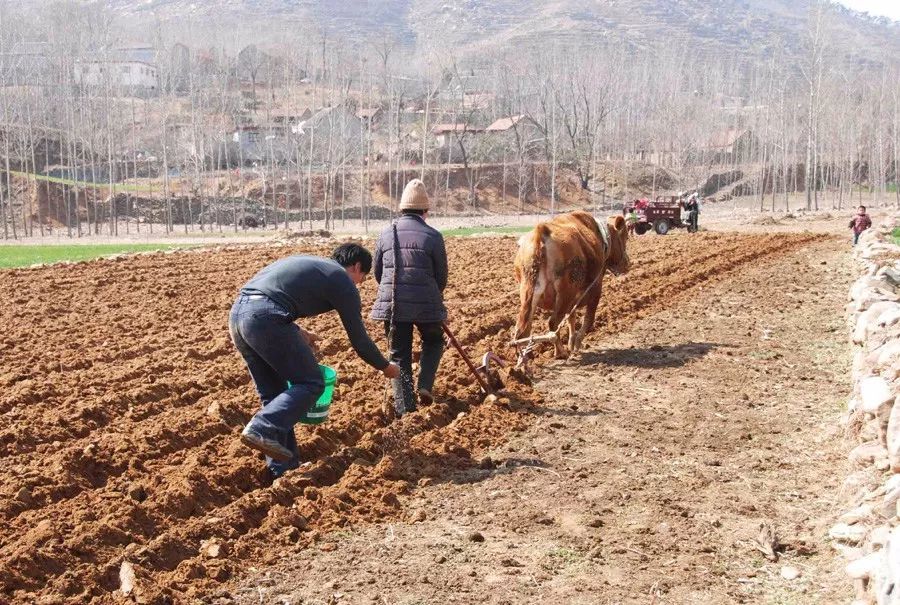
(693,220)
(432,335)
(275,353)
(856,237)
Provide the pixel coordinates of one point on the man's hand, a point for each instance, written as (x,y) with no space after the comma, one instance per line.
(392,371)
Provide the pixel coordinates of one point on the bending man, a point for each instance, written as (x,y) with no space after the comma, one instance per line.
(277,351)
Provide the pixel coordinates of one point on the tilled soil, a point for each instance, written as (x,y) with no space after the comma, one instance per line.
(122,398)
(645,475)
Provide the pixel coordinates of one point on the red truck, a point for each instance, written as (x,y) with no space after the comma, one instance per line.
(660,215)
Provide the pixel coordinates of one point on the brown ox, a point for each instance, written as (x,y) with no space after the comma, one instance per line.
(560,265)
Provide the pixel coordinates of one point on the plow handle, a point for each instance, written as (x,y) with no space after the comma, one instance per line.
(484,387)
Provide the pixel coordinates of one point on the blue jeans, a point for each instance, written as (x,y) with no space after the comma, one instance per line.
(856,237)
(275,353)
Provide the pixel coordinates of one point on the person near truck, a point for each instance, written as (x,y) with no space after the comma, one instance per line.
(278,352)
(692,205)
(631,219)
(411,270)
(860,223)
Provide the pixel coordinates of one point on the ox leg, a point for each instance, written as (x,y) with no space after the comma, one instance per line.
(555,320)
(590,313)
(574,342)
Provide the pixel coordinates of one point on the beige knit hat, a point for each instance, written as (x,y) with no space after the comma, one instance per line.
(414,196)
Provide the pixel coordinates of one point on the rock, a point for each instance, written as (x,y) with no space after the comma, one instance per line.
(864,568)
(887,353)
(889,502)
(490,398)
(418,516)
(890,275)
(475,536)
(510,562)
(856,515)
(863,284)
(790,573)
(867,321)
(215,410)
(867,453)
(486,463)
(892,436)
(850,553)
(440,559)
(889,317)
(875,393)
(127,580)
(24,495)
(879,536)
(849,534)
(886,575)
(213,548)
(873,296)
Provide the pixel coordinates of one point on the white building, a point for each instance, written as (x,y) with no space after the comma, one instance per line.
(137,77)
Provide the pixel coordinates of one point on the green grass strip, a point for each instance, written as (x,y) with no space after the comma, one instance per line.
(24,256)
(466,231)
(85,184)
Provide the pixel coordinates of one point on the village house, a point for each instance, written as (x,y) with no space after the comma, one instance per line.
(122,76)
(505,135)
(445,133)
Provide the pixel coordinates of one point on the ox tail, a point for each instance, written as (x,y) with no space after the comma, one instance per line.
(531,288)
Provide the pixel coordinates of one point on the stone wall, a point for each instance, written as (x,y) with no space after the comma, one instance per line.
(868,534)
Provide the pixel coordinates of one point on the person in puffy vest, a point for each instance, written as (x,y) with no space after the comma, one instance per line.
(410,292)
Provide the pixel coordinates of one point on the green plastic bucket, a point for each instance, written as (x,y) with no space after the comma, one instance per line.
(318,413)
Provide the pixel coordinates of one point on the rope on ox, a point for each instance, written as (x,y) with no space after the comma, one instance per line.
(533,341)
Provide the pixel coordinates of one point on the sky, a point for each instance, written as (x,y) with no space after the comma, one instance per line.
(883,8)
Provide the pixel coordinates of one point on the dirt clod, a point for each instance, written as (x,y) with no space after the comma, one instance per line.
(136,492)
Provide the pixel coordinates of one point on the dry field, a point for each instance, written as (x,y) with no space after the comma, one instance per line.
(121,398)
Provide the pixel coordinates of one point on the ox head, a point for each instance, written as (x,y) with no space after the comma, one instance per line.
(618,261)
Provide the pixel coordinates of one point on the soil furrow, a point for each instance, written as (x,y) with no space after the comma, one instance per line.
(139,461)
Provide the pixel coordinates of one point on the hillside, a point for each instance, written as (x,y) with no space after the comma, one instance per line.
(757,27)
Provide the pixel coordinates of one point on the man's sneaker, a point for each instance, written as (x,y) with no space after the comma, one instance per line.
(251,437)
(425,397)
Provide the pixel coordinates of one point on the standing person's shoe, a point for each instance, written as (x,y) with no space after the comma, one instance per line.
(425,397)
(251,436)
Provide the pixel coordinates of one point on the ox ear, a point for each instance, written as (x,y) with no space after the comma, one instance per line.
(618,223)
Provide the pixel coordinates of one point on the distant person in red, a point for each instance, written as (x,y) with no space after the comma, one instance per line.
(860,223)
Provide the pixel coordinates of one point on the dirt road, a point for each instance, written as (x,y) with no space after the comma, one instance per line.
(645,473)
(121,397)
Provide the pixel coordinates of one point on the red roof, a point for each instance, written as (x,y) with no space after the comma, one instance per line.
(504,124)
